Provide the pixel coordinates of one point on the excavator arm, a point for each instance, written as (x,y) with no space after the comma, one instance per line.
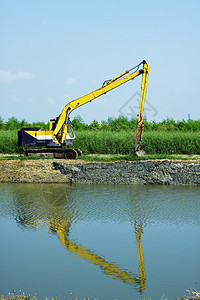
(140,123)
(61,124)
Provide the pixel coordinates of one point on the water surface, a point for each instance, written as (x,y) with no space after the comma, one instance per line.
(99,241)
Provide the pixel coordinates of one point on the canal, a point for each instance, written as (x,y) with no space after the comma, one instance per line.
(99,241)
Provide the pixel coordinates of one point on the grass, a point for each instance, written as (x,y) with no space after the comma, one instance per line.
(109,157)
(119,143)
(22,296)
(132,157)
(20,157)
(172,142)
(193,295)
(8,141)
(122,142)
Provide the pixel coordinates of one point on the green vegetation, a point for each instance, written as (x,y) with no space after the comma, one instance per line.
(122,123)
(108,157)
(122,142)
(117,124)
(117,136)
(19,157)
(14,124)
(193,295)
(22,296)
(8,141)
(14,296)
(132,157)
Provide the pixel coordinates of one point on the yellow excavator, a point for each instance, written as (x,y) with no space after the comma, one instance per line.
(60,131)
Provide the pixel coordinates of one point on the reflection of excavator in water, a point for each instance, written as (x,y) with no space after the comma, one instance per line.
(138,232)
(56,208)
(62,230)
(60,131)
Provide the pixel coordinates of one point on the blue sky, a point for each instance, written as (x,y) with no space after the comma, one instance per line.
(55,51)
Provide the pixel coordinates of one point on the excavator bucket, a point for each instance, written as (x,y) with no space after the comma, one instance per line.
(138,140)
(140,153)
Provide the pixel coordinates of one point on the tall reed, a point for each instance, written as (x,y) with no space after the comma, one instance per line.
(121,142)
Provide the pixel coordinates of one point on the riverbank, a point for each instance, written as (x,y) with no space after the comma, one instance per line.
(22,296)
(138,172)
(120,172)
(30,171)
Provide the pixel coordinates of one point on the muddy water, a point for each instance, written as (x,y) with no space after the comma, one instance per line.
(99,241)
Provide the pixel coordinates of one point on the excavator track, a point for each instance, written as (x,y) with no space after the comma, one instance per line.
(54,153)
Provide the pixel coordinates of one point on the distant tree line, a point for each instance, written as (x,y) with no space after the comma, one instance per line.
(122,123)
(14,123)
(112,124)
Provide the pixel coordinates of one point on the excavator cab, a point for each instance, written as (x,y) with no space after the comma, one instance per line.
(66,135)
(70,136)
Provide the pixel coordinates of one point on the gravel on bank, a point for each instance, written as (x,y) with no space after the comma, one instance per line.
(148,172)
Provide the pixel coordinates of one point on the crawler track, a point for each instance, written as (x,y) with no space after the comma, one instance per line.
(54,153)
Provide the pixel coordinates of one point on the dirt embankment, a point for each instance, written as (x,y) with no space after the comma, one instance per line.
(31,171)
